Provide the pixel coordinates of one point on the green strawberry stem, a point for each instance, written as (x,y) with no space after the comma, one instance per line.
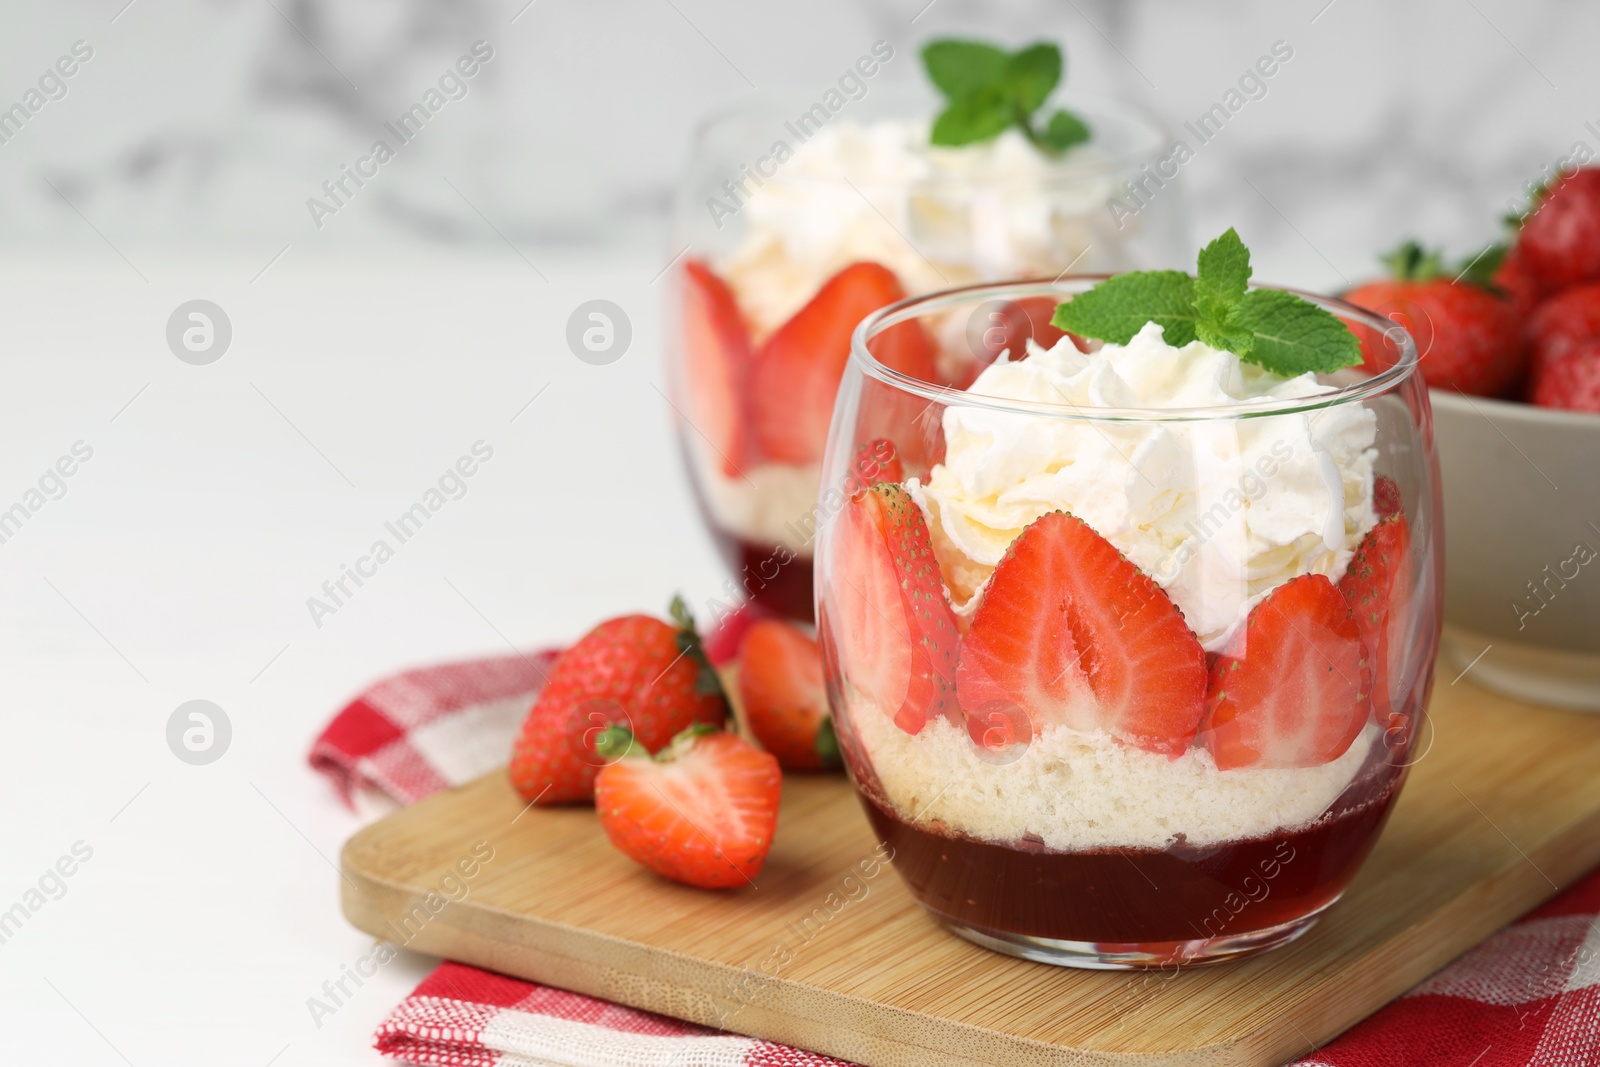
(691,644)
(616,742)
(1410,262)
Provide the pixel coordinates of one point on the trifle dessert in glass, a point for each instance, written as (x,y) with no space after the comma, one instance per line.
(799,215)
(1127,665)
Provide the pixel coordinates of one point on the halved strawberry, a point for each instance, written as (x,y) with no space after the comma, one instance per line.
(1072,633)
(785,697)
(717,360)
(891,626)
(1377,585)
(796,373)
(1293,689)
(701,812)
(1386,497)
(877,461)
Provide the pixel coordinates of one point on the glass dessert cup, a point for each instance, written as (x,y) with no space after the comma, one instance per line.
(1130,686)
(790,229)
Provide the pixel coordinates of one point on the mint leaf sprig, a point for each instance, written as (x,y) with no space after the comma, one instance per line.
(988,90)
(1284,333)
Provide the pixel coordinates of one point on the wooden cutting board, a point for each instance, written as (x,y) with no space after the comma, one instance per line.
(1501,812)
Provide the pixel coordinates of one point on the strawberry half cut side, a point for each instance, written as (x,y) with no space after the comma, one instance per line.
(892,628)
(702,812)
(1293,689)
(1073,634)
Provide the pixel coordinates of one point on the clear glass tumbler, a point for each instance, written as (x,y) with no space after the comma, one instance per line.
(788,230)
(1126,686)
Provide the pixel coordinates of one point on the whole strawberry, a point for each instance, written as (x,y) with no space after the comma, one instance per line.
(1469,337)
(1513,277)
(1570,380)
(637,672)
(1567,319)
(1560,239)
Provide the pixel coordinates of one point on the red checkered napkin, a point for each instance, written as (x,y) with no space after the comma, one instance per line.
(1529,995)
(463,1017)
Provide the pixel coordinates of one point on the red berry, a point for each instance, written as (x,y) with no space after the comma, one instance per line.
(890,625)
(797,371)
(1293,689)
(717,359)
(877,461)
(1565,320)
(1377,586)
(1469,339)
(785,697)
(1386,497)
(1560,240)
(631,672)
(1571,380)
(1072,633)
(1517,282)
(702,812)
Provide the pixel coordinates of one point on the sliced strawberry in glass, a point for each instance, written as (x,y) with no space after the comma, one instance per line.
(1074,634)
(1293,689)
(797,371)
(1377,585)
(893,632)
(718,357)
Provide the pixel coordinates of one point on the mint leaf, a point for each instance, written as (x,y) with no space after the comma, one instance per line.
(988,90)
(1224,276)
(1063,131)
(1293,335)
(973,118)
(1284,333)
(1229,336)
(957,68)
(1119,307)
(1220,284)
(1031,74)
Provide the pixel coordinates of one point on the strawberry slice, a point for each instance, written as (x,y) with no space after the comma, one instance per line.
(785,696)
(1377,585)
(717,359)
(1293,689)
(1073,634)
(796,373)
(1386,497)
(877,461)
(892,629)
(701,812)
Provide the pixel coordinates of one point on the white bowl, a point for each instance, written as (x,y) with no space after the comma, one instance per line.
(1522,547)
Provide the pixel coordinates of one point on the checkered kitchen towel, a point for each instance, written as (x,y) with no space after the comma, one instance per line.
(1528,995)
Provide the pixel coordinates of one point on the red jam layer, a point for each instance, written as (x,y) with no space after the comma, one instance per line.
(1180,893)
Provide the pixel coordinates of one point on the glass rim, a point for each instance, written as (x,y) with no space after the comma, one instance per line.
(917,306)
(1062,172)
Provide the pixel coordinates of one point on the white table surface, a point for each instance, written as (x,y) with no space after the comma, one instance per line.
(177,567)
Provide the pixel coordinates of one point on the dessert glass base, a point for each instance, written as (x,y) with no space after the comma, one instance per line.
(1138,955)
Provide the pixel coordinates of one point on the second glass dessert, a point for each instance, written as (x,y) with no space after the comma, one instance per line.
(796,226)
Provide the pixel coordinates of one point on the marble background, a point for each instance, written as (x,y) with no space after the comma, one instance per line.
(211,121)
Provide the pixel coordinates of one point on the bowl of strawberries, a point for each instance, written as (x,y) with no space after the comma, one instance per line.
(1510,346)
